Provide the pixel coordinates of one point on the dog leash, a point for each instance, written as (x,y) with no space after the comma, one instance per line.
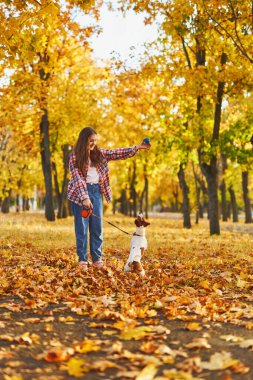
(89,212)
(107,221)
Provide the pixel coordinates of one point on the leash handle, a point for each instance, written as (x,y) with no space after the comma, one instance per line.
(87,212)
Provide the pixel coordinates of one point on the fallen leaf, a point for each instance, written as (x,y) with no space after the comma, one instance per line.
(136,333)
(147,373)
(204,284)
(219,360)
(75,367)
(87,346)
(56,355)
(248,343)
(198,343)
(232,338)
(102,365)
(193,326)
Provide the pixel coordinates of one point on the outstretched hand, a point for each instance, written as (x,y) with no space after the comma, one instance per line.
(144,145)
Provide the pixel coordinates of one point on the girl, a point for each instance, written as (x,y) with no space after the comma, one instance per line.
(89,180)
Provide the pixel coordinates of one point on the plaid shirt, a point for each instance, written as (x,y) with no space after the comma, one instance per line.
(77,187)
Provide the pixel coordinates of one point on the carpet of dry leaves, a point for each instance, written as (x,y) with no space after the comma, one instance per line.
(191,317)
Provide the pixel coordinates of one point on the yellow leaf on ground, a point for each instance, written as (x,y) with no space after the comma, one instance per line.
(198,343)
(204,284)
(102,365)
(241,283)
(173,374)
(136,333)
(232,338)
(193,326)
(248,343)
(109,332)
(66,319)
(219,360)
(75,367)
(148,372)
(87,345)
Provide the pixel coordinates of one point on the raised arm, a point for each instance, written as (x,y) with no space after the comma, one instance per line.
(123,153)
(120,153)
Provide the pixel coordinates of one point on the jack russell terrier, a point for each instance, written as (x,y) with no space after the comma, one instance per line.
(137,247)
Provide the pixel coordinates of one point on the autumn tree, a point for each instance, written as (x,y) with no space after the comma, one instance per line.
(41,45)
(209,71)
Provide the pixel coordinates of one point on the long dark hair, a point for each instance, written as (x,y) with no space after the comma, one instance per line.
(82,152)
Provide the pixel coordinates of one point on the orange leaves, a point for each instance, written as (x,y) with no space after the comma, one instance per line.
(193,326)
(56,355)
(87,346)
(170,325)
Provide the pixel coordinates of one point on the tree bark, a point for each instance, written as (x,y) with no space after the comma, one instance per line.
(247,205)
(186,203)
(5,208)
(44,138)
(46,166)
(233,204)
(223,190)
(197,189)
(17,203)
(146,196)
(133,193)
(175,193)
(210,172)
(56,183)
(63,203)
(123,202)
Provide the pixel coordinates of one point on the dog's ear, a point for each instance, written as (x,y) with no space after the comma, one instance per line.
(138,222)
(145,224)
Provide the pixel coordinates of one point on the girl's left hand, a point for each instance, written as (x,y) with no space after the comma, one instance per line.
(144,145)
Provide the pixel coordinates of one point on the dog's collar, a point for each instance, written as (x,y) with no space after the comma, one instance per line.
(135,234)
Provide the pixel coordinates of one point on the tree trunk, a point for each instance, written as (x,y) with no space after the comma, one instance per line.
(233,204)
(142,198)
(175,193)
(46,165)
(56,183)
(204,200)
(210,172)
(146,196)
(133,194)
(223,190)
(44,136)
(197,189)
(247,205)
(123,202)
(63,205)
(6,204)
(186,203)
(17,203)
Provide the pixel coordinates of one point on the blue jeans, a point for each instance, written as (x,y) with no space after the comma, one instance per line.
(94,224)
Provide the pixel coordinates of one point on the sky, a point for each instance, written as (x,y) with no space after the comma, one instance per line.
(120,34)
